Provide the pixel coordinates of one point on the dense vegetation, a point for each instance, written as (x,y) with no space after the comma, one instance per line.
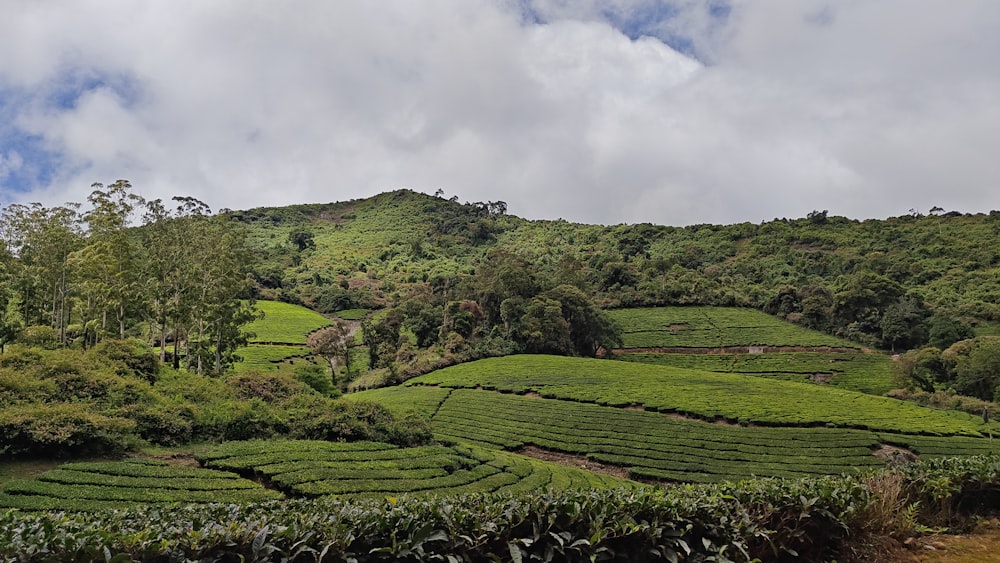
(72,278)
(115,396)
(894,283)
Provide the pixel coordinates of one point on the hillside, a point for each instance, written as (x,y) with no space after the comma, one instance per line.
(892,283)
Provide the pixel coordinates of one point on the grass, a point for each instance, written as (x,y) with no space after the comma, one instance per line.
(702,394)
(713,327)
(284,323)
(24,469)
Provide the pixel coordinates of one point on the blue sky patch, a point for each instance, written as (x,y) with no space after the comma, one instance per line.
(74,85)
(648,20)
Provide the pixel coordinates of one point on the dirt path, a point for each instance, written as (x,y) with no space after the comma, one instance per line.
(981,546)
(733,350)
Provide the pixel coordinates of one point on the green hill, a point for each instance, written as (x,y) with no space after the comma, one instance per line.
(834,274)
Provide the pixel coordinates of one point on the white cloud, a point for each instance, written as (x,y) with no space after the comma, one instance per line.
(865,109)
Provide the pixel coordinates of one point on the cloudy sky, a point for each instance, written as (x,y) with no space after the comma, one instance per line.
(600,111)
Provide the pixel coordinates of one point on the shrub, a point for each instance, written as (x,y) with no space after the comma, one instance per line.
(239,420)
(61,430)
(317,378)
(20,357)
(316,418)
(39,335)
(270,388)
(167,425)
(134,358)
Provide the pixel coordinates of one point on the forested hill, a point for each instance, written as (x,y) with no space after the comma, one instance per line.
(892,283)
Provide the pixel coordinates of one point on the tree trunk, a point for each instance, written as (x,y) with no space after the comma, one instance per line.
(333,370)
(218,348)
(177,355)
(163,341)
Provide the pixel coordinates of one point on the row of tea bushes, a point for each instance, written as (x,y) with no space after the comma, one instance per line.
(134,482)
(733,397)
(311,469)
(811,519)
(649,444)
(714,327)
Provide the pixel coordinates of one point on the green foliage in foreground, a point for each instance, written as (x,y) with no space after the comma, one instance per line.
(713,327)
(284,323)
(815,519)
(854,371)
(304,468)
(706,395)
(95,486)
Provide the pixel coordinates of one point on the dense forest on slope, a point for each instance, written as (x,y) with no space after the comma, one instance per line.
(896,283)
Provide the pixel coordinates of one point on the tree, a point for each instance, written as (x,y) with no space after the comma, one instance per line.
(541,329)
(590,328)
(302,238)
(978,374)
(902,324)
(222,284)
(817,217)
(382,338)
(943,331)
(43,239)
(921,368)
(110,255)
(333,343)
(501,276)
(10,320)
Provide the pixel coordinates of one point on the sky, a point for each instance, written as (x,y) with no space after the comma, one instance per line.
(673,112)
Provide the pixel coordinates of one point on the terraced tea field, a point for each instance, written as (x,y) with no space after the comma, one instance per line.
(731,340)
(309,468)
(650,445)
(714,327)
(294,469)
(284,323)
(667,423)
(95,486)
(279,338)
(857,371)
(701,394)
(264,357)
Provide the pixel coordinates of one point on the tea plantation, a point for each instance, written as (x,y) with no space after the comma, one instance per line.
(870,373)
(90,486)
(284,323)
(302,468)
(704,395)
(714,327)
(720,339)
